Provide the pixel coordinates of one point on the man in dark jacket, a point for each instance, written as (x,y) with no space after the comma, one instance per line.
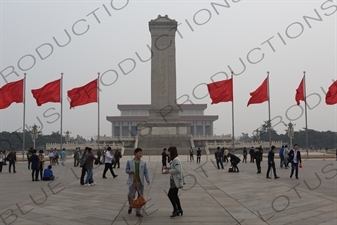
(76,157)
(99,154)
(251,153)
(117,156)
(82,164)
(191,155)
(35,165)
(258,159)
(218,158)
(198,155)
(164,157)
(295,159)
(244,153)
(12,160)
(271,163)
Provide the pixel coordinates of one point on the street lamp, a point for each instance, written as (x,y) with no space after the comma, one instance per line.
(67,136)
(35,133)
(257,134)
(290,132)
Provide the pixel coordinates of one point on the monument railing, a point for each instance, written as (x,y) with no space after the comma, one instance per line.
(73,146)
(116,138)
(254,144)
(194,137)
(211,137)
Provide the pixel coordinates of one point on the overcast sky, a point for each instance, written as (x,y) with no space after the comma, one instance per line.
(211,38)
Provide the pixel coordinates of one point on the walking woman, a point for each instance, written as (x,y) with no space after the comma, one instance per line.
(176,180)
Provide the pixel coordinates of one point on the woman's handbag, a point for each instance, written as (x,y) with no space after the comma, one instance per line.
(140,201)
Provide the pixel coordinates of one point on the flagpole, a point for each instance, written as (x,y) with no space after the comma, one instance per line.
(61,100)
(269,121)
(306,116)
(98,111)
(24,114)
(233,137)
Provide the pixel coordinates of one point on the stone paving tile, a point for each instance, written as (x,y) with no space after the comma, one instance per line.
(332,222)
(256,221)
(31,215)
(326,217)
(294,217)
(21,221)
(305,208)
(328,208)
(165,219)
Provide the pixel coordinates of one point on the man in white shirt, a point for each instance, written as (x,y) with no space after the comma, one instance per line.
(295,158)
(108,165)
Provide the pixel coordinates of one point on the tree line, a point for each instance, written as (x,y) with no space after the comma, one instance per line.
(9,140)
(319,140)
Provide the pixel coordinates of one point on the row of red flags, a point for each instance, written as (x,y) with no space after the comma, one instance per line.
(221,91)
(51,92)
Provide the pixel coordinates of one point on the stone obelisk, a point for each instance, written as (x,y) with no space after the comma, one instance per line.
(164,117)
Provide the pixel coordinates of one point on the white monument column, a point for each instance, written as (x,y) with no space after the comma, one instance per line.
(164,112)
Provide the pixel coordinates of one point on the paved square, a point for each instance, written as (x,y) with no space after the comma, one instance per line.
(210,196)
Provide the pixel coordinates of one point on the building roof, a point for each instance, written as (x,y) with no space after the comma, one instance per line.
(148,106)
(144,118)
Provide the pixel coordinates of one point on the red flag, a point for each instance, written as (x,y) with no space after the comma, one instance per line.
(300,92)
(260,94)
(331,95)
(83,95)
(48,93)
(11,92)
(221,91)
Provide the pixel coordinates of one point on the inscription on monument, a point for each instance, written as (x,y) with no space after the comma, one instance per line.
(163,130)
(182,130)
(163,81)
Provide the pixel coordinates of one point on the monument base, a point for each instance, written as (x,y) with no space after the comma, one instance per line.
(162,128)
(157,135)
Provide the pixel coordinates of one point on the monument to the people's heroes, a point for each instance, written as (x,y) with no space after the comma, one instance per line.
(163,126)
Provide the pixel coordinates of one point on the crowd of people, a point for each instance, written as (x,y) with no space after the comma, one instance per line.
(222,155)
(137,169)
(87,161)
